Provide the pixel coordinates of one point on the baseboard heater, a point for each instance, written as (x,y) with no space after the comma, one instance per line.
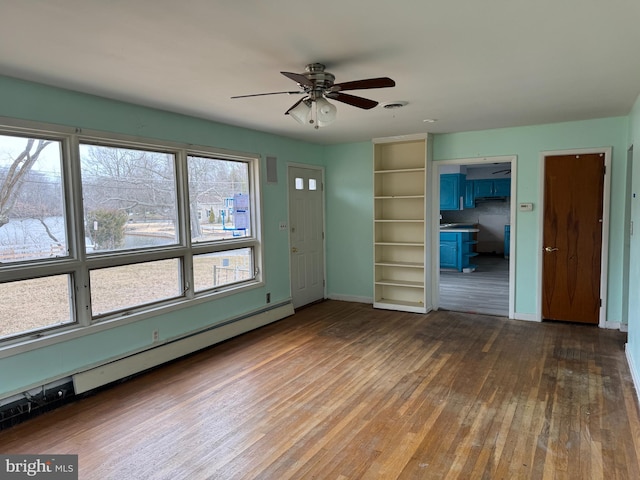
(124,367)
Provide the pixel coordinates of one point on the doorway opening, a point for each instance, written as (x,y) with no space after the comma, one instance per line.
(475,199)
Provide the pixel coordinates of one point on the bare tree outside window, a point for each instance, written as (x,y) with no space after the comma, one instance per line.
(31,199)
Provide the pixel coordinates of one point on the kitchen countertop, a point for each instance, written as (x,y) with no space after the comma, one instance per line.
(458,230)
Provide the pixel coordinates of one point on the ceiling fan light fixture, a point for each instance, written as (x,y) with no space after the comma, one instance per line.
(325,112)
(301,112)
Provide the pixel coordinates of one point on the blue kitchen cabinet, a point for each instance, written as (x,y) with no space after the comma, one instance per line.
(502,187)
(448,253)
(469,197)
(451,188)
(492,188)
(482,188)
(456,250)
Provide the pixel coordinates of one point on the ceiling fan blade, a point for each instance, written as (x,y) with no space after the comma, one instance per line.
(271,93)
(295,105)
(298,78)
(381,82)
(352,100)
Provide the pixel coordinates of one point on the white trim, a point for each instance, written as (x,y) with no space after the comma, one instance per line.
(435,223)
(612,325)
(528,317)
(401,138)
(635,376)
(606,192)
(624,327)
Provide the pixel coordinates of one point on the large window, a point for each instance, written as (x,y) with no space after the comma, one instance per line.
(95,228)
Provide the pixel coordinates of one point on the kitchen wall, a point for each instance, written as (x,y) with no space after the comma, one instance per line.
(491,216)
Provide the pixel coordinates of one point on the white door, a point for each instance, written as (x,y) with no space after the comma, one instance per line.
(306,235)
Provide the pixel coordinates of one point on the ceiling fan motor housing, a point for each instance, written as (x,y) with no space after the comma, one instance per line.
(322,81)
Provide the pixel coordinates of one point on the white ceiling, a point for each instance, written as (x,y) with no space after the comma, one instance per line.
(470,64)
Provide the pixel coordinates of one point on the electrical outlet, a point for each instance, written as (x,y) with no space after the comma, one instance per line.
(155,336)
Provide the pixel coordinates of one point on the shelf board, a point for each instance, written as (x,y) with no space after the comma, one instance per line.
(390,304)
(400,264)
(401,244)
(399,220)
(396,197)
(401,170)
(400,283)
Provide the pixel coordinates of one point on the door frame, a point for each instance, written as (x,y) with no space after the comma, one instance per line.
(604,257)
(320,169)
(435,222)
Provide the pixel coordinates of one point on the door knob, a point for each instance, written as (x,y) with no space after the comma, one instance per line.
(294,250)
(550,249)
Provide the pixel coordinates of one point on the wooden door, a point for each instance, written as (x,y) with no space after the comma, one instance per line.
(306,220)
(572,237)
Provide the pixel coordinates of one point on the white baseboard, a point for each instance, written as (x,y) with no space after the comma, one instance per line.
(124,367)
(529,317)
(634,373)
(624,327)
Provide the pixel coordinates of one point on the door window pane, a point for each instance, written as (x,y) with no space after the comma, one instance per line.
(129,198)
(32,220)
(119,288)
(219,199)
(34,304)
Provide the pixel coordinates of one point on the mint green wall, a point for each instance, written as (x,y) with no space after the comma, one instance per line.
(633,346)
(349,210)
(29,101)
(349,205)
(527,143)
(349,201)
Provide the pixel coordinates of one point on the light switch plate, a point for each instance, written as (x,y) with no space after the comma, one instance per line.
(526,207)
(283,225)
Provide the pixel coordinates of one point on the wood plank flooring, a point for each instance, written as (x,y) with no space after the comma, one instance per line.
(485,291)
(343,391)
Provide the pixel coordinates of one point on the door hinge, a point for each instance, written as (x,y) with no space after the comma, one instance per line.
(600,302)
(323,235)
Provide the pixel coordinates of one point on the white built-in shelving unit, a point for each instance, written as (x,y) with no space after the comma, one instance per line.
(400,224)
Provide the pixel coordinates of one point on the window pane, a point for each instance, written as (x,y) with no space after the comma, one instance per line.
(312,184)
(129,198)
(118,288)
(32,223)
(213,270)
(299,183)
(218,199)
(34,304)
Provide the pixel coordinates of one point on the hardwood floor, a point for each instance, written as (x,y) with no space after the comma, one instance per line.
(343,391)
(485,291)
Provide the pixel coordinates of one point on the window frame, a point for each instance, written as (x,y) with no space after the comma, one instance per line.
(78,264)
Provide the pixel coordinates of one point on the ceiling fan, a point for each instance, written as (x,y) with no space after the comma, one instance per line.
(317,85)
